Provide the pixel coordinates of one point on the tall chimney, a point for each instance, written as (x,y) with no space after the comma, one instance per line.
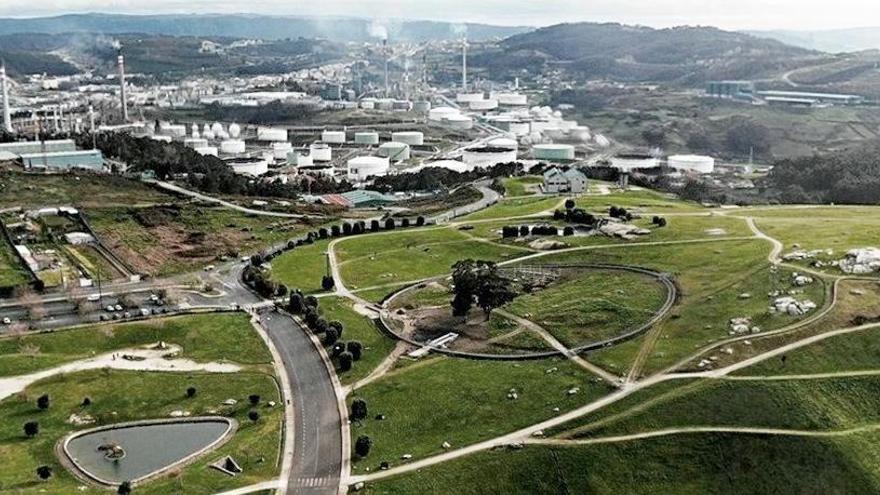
(7,115)
(464,65)
(121,63)
(385,52)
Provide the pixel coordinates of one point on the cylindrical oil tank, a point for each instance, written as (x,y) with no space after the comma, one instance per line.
(280,150)
(483,105)
(692,163)
(628,162)
(366,138)
(488,156)
(275,134)
(333,137)
(321,152)
(362,167)
(412,138)
(232,146)
(553,152)
(422,106)
(394,151)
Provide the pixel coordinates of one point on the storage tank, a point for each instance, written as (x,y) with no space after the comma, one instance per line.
(692,163)
(440,113)
(511,99)
(458,121)
(217,128)
(468,97)
(422,106)
(626,162)
(195,131)
(366,138)
(206,129)
(395,152)
(362,167)
(206,150)
(488,156)
(299,159)
(503,142)
(275,134)
(320,152)
(280,150)
(234,130)
(333,137)
(249,166)
(483,105)
(404,105)
(195,142)
(553,152)
(232,146)
(412,138)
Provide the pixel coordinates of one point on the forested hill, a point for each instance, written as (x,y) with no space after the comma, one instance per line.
(685,54)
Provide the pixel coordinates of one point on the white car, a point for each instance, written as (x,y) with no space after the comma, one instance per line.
(110,308)
(154,297)
(93,298)
(7,321)
(118,307)
(209,268)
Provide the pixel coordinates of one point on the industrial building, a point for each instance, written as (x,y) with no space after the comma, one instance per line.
(692,163)
(568,181)
(89,159)
(28,147)
(734,90)
(359,198)
(249,166)
(361,168)
(803,98)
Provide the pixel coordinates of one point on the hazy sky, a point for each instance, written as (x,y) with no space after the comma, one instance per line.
(728,14)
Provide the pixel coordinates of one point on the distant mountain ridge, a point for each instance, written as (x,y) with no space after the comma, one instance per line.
(689,55)
(255,26)
(831,40)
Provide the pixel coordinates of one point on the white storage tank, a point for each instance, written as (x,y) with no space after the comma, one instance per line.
(234,130)
(441,113)
(280,150)
(692,163)
(366,138)
(553,152)
(362,167)
(275,134)
(217,128)
(511,99)
(333,137)
(422,106)
(175,130)
(458,121)
(249,166)
(321,152)
(232,146)
(299,159)
(195,142)
(488,156)
(207,150)
(626,162)
(468,97)
(412,138)
(195,131)
(503,142)
(395,152)
(483,105)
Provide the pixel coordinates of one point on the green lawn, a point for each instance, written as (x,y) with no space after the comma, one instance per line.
(80,189)
(462,402)
(119,396)
(699,464)
(586,306)
(516,207)
(639,200)
(208,337)
(406,256)
(12,273)
(521,186)
(822,228)
(711,278)
(302,268)
(377,346)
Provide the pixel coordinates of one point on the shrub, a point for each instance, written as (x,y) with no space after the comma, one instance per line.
(191,392)
(327,282)
(389,224)
(335,230)
(254,399)
(362,445)
(567,231)
(345,361)
(404,223)
(330,336)
(420,220)
(253,416)
(374,225)
(31,429)
(356,349)
(346,228)
(359,409)
(43,402)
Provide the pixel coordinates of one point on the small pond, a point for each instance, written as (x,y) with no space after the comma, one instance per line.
(131,452)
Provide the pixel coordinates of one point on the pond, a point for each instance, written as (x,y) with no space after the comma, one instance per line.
(135,451)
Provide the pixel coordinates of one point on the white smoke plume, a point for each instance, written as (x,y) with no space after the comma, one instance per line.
(378,30)
(459,30)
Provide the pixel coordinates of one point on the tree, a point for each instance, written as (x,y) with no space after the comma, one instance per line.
(311,301)
(524,230)
(346,228)
(357,228)
(253,416)
(320,325)
(86,402)
(124,488)
(322,233)
(31,429)
(257,259)
(494,292)
(356,349)
(44,472)
(569,204)
(389,224)
(337,325)
(359,409)
(374,225)
(345,361)
(335,230)
(480,281)
(362,445)
(297,304)
(191,392)
(327,282)
(330,336)
(43,402)
(568,230)
(420,220)
(310,315)
(337,349)
(281,290)
(404,223)
(254,399)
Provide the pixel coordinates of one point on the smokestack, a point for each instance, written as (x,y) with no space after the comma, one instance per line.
(464,65)
(7,115)
(121,63)
(385,52)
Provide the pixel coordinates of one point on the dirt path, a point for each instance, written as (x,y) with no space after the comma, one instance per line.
(145,359)
(381,370)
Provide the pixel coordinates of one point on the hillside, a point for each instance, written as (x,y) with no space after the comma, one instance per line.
(251,26)
(830,40)
(682,54)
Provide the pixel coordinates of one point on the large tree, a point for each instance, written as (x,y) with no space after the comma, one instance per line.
(479,281)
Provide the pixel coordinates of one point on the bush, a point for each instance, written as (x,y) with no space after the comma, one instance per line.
(356,349)
(124,488)
(337,325)
(345,361)
(320,325)
(323,233)
(327,282)
(559,215)
(330,336)
(337,349)
(311,301)
(404,223)
(509,231)
(191,392)
(335,230)
(254,399)
(524,231)
(253,416)
(374,225)
(567,231)
(357,229)
(420,221)
(31,429)
(569,204)
(358,410)
(310,316)
(389,224)
(43,402)
(346,228)
(362,445)
(297,304)
(44,472)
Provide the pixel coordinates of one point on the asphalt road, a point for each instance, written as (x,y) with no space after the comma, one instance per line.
(317,452)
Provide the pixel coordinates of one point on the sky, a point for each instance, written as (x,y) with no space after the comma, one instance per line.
(726,14)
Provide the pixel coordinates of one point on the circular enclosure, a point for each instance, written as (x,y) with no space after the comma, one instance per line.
(584,307)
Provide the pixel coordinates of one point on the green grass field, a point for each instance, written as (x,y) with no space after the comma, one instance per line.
(720,464)
(516,207)
(641,200)
(822,228)
(81,190)
(591,305)
(522,186)
(302,268)
(12,273)
(210,337)
(118,396)
(462,402)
